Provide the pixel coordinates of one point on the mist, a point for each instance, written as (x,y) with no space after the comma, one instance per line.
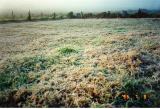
(75,5)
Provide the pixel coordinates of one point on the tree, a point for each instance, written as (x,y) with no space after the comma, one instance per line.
(13,16)
(102,15)
(41,14)
(78,15)
(82,15)
(88,15)
(140,14)
(125,14)
(61,17)
(54,15)
(118,15)
(108,15)
(70,15)
(29,16)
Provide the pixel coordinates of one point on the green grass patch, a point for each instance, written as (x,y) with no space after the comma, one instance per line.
(12,80)
(28,64)
(121,30)
(67,50)
(15,72)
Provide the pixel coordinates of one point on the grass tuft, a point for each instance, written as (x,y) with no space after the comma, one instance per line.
(67,50)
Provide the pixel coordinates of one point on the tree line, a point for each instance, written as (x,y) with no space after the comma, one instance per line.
(81,15)
(123,14)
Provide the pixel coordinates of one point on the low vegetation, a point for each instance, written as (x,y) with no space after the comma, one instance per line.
(81,63)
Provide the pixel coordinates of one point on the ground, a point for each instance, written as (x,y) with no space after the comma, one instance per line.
(80,63)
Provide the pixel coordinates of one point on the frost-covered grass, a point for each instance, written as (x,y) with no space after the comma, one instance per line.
(80,63)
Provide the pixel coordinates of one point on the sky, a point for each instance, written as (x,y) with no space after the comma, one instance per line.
(76,5)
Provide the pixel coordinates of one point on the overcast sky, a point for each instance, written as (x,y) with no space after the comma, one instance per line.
(76,5)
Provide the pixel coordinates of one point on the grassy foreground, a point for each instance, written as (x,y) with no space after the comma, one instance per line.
(80,63)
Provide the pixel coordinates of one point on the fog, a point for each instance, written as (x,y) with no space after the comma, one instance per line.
(75,5)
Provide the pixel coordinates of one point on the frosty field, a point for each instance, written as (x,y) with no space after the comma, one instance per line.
(80,63)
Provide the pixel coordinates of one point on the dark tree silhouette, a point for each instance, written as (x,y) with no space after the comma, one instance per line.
(125,14)
(88,15)
(61,17)
(140,14)
(102,15)
(78,15)
(54,15)
(70,15)
(13,16)
(29,16)
(108,14)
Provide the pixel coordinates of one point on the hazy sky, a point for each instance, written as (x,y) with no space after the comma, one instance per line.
(76,5)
